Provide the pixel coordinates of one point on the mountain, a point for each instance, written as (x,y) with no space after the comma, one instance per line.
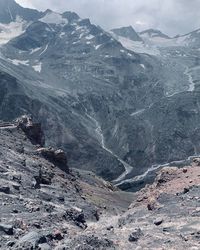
(127,32)
(191,39)
(152,33)
(117,111)
(10,11)
(76,75)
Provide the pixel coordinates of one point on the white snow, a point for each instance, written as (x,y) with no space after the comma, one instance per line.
(89,37)
(37,67)
(62,34)
(18,62)
(97,46)
(138,112)
(54,18)
(81,35)
(45,49)
(34,50)
(143,66)
(11,30)
(138,47)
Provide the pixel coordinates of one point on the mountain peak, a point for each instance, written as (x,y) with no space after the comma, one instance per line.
(127,32)
(10,10)
(151,33)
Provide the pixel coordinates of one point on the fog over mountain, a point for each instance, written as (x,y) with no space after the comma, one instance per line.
(171,16)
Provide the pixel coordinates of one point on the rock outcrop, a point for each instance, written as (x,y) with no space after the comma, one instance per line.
(58,157)
(32,129)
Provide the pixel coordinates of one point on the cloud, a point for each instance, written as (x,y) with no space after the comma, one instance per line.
(171,16)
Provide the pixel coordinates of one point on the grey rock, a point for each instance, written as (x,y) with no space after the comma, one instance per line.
(135,235)
(4,189)
(158,221)
(33,239)
(7,229)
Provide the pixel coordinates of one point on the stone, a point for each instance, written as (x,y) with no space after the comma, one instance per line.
(185,170)
(33,239)
(158,221)
(7,229)
(57,235)
(135,235)
(5,189)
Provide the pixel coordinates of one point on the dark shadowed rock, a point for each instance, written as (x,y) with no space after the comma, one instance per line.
(135,235)
(32,129)
(158,221)
(4,189)
(58,157)
(7,229)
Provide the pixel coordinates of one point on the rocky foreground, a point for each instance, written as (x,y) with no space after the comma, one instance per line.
(45,205)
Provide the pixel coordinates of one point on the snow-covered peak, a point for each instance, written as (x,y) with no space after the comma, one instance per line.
(152,33)
(53,18)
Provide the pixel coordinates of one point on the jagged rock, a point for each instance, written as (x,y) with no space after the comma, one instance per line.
(32,129)
(58,157)
(8,229)
(57,235)
(5,189)
(43,177)
(135,235)
(76,216)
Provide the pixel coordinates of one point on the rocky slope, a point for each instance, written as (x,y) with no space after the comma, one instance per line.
(43,203)
(46,205)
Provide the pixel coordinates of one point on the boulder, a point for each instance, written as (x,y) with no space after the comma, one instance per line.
(135,235)
(32,240)
(7,229)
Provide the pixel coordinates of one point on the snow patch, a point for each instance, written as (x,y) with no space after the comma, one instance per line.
(18,62)
(11,30)
(89,37)
(97,46)
(34,50)
(54,18)
(138,47)
(37,67)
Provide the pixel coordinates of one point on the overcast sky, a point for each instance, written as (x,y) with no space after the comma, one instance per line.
(171,16)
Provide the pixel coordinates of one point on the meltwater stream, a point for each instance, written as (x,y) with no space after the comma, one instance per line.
(100,137)
(128,168)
